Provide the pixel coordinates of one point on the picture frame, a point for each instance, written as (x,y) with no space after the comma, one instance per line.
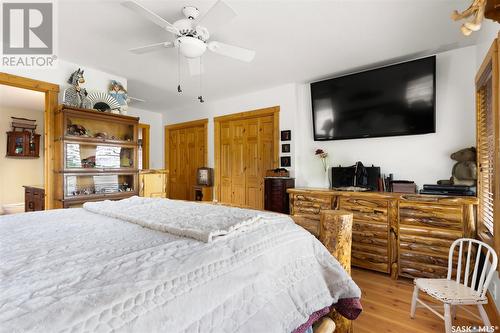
(285,161)
(205,176)
(285,148)
(286,135)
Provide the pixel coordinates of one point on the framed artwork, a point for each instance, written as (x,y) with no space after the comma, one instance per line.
(204,176)
(285,148)
(286,161)
(286,135)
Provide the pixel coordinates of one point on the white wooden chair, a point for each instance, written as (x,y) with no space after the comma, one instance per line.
(459,292)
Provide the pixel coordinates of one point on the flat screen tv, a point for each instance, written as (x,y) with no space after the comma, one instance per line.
(387,101)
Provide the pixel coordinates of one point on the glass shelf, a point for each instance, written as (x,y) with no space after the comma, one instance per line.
(90,156)
(97,185)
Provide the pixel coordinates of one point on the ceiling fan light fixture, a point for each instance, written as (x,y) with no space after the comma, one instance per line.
(190,12)
(191,47)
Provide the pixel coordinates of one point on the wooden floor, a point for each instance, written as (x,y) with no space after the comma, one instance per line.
(386,307)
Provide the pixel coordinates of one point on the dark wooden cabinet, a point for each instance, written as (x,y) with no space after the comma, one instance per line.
(201,193)
(276,198)
(34,198)
(23,144)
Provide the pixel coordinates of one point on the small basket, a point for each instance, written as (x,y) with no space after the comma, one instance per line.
(278,173)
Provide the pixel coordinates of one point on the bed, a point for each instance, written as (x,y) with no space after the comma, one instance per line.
(159,265)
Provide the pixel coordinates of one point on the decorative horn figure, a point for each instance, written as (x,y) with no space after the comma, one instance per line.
(476,9)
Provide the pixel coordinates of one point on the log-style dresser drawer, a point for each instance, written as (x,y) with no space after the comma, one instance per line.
(426,231)
(431,216)
(370,232)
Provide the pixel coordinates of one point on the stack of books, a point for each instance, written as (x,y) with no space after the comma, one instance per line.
(23,123)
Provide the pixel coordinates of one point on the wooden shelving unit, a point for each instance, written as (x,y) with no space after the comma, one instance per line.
(95,156)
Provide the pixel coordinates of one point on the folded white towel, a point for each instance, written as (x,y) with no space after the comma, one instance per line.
(200,221)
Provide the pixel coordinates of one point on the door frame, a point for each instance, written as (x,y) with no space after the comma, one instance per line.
(270,111)
(145,131)
(194,123)
(51,92)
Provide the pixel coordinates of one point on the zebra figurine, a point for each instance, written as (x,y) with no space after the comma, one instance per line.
(76,95)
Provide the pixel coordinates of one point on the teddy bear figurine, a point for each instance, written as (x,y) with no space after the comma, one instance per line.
(464,172)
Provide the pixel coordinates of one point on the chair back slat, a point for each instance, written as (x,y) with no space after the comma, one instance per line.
(483,273)
(476,267)
(467,265)
(459,265)
(486,270)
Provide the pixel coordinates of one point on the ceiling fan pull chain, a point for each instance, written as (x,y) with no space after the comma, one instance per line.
(201,95)
(179,90)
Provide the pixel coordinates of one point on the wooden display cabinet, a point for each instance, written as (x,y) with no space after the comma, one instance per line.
(23,144)
(96,156)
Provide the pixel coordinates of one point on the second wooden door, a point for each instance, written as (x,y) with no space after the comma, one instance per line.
(186,146)
(246,151)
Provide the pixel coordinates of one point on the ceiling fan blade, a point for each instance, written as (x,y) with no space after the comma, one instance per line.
(135,99)
(231,51)
(195,68)
(152,47)
(217,16)
(153,17)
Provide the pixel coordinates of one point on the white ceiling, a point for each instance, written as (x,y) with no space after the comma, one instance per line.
(295,41)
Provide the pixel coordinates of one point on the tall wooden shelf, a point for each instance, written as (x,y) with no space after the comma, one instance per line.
(95,156)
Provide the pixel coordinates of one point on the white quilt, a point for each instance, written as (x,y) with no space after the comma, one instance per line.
(201,221)
(76,271)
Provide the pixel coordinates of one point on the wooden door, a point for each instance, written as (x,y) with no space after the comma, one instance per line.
(186,151)
(225,165)
(246,146)
(238,162)
(253,173)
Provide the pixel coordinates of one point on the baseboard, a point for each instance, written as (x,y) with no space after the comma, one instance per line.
(492,311)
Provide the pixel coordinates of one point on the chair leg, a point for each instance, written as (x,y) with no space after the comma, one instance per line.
(484,315)
(454,312)
(414,302)
(447,318)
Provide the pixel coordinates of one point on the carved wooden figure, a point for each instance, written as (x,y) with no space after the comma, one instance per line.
(476,10)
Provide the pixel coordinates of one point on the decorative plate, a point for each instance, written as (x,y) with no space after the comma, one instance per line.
(103,102)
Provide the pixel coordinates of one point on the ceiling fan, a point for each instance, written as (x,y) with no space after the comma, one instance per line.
(192,34)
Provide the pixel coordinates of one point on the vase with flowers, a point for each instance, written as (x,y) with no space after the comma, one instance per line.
(323,156)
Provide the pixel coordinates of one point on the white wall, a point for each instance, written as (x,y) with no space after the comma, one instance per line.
(422,158)
(155,120)
(16,172)
(285,96)
(96,80)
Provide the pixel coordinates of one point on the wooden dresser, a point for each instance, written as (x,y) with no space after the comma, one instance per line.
(153,183)
(399,234)
(34,198)
(275,196)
